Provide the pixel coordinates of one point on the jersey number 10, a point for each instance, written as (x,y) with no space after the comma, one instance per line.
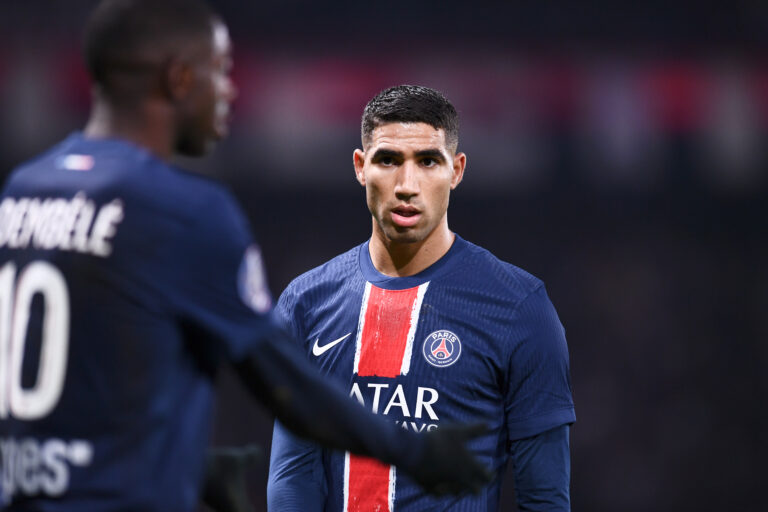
(16,294)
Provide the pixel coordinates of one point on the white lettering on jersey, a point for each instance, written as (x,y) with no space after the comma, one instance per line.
(32,467)
(355,393)
(416,427)
(426,404)
(425,399)
(398,400)
(63,224)
(376,395)
(104,228)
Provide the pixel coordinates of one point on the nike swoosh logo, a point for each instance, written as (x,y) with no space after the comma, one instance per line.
(318,350)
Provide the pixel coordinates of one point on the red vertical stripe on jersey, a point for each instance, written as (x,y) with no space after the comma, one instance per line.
(382,346)
(368,485)
(385,332)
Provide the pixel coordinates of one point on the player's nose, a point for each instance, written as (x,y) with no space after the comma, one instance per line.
(407,183)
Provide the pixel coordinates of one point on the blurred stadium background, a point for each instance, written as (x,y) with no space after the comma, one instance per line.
(616,151)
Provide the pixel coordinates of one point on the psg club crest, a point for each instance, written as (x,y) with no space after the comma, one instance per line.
(442,348)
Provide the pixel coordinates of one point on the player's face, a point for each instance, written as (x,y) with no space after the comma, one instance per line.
(207,110)
(408,174)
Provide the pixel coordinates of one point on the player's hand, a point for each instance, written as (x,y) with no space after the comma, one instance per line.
(447,466)
(225,488)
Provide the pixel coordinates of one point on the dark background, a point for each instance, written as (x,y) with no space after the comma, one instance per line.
(616,151)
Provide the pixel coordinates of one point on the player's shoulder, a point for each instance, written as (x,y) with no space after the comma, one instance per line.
(175,188)
(206,208)
(28,169)
(330,274)
(205,196)
(321,285)
(488,271)
(112,165)
(157,196)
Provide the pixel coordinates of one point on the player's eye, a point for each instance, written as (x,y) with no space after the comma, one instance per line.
(429,162)
(386,161)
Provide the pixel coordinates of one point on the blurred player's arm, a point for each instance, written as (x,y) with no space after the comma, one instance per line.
(296,475)
(315,408)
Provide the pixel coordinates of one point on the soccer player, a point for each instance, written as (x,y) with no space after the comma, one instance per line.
(125,281)
(425,328)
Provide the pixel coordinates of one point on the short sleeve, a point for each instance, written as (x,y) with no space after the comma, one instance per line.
(538,395)
(219,280)
(287,310)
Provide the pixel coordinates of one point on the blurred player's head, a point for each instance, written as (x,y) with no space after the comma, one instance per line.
(174,53)
(409,164)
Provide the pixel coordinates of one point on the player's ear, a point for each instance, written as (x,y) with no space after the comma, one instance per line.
(178,79)
(459,163)
(358,159)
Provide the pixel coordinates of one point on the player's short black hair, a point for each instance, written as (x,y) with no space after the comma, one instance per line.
(411,104)
(122,34)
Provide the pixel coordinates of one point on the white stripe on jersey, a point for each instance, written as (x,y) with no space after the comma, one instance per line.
(360,325)
(346,480)
(392,488)
(412,330)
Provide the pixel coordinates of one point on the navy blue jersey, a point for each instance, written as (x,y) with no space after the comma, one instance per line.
(469,339)
(123,282)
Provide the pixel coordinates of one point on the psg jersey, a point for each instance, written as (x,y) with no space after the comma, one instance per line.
(123,281)
(470,339)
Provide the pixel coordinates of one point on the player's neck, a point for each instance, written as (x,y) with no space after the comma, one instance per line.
(145,125)
(399,259)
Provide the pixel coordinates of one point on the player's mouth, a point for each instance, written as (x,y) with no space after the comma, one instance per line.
(405,216)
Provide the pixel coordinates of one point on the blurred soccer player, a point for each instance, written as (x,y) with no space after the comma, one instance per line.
(426,329)
(125,281)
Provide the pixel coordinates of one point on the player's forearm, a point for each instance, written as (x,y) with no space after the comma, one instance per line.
(312,407)
(293,497)
(296,474)
(281,498)
(542,471)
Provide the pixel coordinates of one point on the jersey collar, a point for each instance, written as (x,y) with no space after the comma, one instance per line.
(438,268)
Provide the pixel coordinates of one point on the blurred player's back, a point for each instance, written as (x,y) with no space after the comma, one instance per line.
(101,395)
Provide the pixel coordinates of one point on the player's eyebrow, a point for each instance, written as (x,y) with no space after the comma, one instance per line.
(384,153)
(431,153)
